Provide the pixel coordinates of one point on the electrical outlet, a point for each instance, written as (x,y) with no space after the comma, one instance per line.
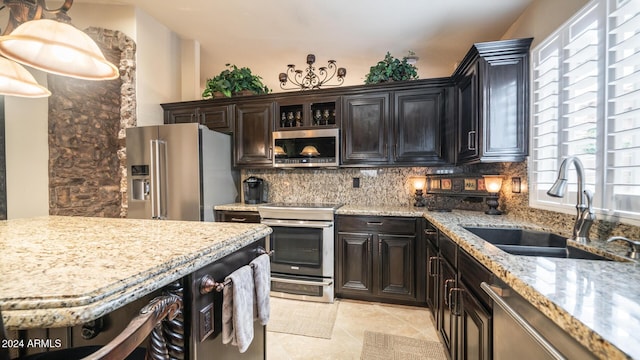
(356,182)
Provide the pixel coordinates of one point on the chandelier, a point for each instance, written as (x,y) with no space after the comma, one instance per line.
(308,79)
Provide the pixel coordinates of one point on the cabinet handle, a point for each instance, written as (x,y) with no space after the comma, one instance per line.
(446,291)
(430,232)
(432,272)
(270,151)
(454,304)
(470,140)
(369,246)
(379,247)
(238,219)
(376,223)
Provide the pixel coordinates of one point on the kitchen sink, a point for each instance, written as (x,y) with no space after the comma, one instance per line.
(526,242)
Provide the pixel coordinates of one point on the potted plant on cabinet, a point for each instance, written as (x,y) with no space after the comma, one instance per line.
(392,69)
(232,81)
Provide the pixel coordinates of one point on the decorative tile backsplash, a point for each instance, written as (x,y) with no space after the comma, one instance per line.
(392,187)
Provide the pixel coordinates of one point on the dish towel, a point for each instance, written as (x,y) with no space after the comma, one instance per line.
(262,280)
(237,309)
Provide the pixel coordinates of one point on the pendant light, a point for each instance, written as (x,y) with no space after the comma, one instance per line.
(57,48)
(15,80)
(49,45)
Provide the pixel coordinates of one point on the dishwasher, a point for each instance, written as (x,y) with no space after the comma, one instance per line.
(520,331)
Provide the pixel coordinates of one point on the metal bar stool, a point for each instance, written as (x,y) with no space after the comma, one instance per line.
(124,345)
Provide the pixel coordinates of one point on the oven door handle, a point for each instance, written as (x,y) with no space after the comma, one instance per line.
(324,282)
(298,223)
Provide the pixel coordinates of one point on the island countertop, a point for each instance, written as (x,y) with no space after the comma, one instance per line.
(63,271)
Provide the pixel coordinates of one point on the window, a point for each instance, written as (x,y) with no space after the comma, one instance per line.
(586,103)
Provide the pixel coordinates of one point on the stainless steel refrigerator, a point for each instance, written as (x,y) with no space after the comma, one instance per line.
(178,172)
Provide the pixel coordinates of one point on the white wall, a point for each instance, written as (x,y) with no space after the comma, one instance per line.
(190,66)
(158,70)
(542,18)
(27,149)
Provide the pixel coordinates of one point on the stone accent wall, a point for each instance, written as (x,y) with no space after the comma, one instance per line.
(87,119)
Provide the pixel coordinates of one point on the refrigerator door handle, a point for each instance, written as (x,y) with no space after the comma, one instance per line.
(162,179)
(155,193)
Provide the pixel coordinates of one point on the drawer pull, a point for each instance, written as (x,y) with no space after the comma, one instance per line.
(430,232)
(454,301)
(432,272)
(238,219)
(376,223)
(447,291)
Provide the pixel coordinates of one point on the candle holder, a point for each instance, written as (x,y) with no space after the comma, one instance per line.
(308,79)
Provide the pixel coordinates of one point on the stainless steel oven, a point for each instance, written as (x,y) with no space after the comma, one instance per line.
(303,249)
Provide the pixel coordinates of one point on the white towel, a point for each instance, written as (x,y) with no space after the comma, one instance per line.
(262,280)
(237,309)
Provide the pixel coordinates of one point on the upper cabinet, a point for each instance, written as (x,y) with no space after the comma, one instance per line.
(420,125)
(215,117)
(308,112)
(479,114)
(406,125)
(365,129)
(253,123)
(492,97)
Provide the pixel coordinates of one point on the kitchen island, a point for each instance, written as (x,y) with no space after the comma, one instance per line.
(64,271)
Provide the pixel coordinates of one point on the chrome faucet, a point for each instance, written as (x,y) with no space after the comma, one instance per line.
(585,215)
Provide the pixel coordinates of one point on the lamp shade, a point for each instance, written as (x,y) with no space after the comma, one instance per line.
(418,183)
(493,183)
(15,80)
(58,48)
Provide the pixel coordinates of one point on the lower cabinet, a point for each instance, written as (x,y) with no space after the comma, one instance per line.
(237,216)
(461,309)
(378,258)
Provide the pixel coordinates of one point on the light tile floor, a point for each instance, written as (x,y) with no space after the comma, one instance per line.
(354,317)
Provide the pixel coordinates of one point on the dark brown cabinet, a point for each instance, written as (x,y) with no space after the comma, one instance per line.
(237,216)
(308,112)
(461,310)
(365,129)
(419,126)
(431,278)
(376,259)
(473,308)
(355,262)
(215,117)
(448,281)
(492,91)
(253,125)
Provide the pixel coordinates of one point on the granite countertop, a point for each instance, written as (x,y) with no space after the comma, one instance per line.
(63,271)
(237,207)
(597,302)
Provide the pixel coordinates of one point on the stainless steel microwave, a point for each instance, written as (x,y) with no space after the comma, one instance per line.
(306,148)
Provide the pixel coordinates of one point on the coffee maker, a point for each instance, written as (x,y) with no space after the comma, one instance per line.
(254,190)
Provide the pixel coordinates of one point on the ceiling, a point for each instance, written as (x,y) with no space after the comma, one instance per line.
(268,35)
